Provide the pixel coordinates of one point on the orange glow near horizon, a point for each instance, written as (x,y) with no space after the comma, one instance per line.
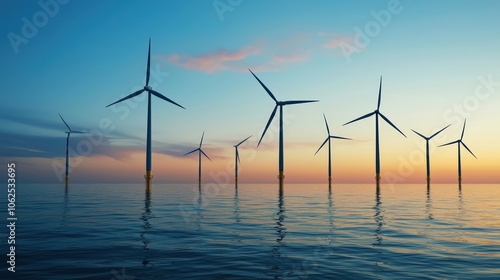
(349,165)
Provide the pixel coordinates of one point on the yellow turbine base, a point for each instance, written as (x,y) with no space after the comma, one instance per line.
(281,178)
(67,180)
(149,179)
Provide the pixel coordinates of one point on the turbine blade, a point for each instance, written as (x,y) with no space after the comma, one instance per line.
(453,142)
(243,141)
(149,63)
(326,123)
(74,131)
(420,135)
(204,154)
(338,137)
(264,86)
(127,97)
(268,123)
(201,142)
(238,155)
(159,95)
(463,130)
(65,122)
(389,122)
(439,131)
(360,118)
(297,102)
(326,140)
(465,146)
(191,152)
(379,93)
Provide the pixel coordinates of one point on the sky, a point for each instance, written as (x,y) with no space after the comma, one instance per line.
(439,61)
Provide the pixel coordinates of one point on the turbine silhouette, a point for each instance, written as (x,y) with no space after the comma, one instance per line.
(67,148)
(200,151)
(237,159)
(460,142)
(328,139)
(150,91)
(279,104)
(377,113)
(428,162)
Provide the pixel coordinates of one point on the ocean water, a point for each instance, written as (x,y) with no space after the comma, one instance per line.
(351,231)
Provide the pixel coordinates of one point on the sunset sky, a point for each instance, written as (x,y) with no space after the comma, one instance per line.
(440,63)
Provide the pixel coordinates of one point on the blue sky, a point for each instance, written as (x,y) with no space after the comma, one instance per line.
(432,55)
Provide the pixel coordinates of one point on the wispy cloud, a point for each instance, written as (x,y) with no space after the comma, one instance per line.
(213,61)
(338,41)
(257,56)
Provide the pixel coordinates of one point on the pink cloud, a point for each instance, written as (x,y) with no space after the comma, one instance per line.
(278,62)
(336,42)
(254,56)
(215,60)
(285,59)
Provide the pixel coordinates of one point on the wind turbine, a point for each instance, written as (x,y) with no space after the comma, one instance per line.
(328,138)
(150,91)
(427,151)
(237,159)
(460,142)
(377,113)
(67,148)
(200,151)
(279,104)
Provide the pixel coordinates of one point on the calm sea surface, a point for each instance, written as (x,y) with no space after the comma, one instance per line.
(179,232)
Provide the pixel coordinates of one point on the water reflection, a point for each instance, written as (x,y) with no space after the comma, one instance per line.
(236,211)
(379,218)
(330,214)
(199,210)
(428,204)
(146,226)
(460,202)
(280,230)
(65,211)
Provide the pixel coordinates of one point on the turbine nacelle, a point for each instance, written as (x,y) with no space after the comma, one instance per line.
(329,136)
(291,102)
(278,104)
(147,88)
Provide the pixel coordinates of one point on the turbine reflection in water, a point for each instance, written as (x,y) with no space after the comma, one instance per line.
(199,210)
(379,217)
(280,229)
(379,220)
(65,211)
(146,226)
(428,204)
(330,214)
(236,211)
